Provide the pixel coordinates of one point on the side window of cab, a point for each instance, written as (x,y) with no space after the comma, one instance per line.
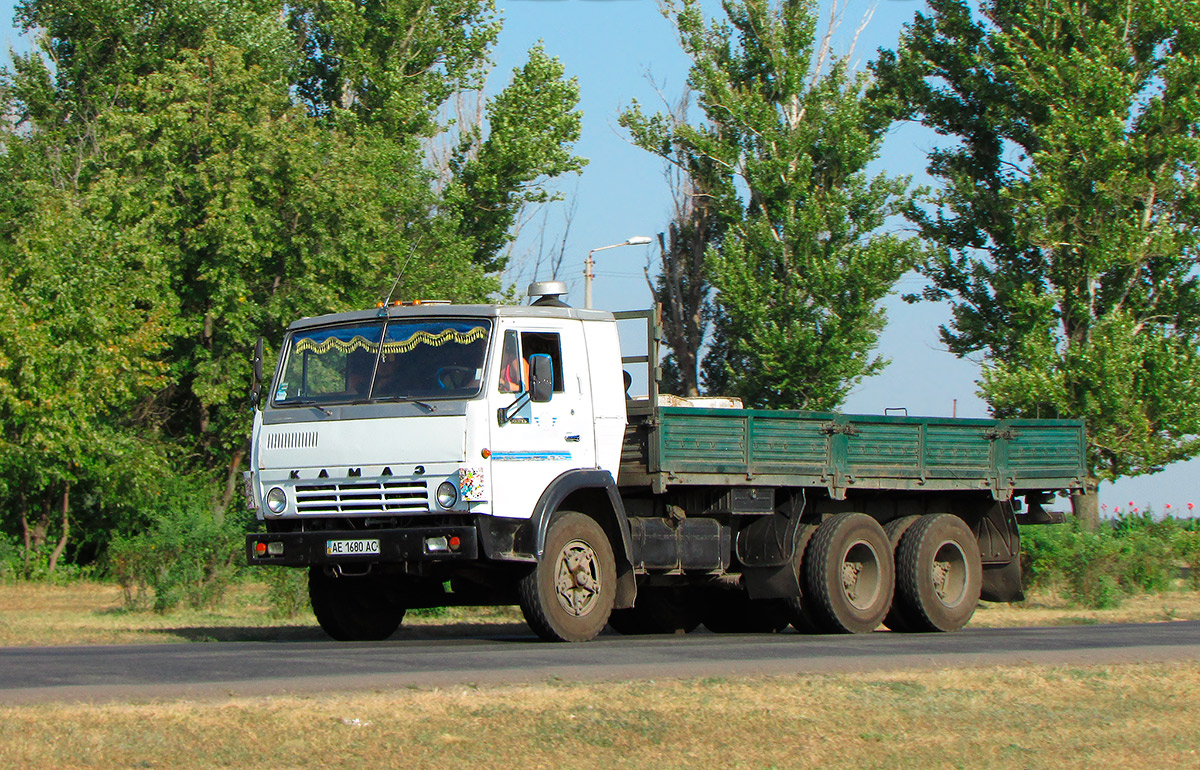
(516,349)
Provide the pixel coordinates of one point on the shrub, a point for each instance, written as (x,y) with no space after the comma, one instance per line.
(1133,553)
(1187,547)
(186,555)
(12,564)
(10,559)
(287,590)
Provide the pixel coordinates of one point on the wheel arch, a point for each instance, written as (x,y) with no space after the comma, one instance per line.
(593,493)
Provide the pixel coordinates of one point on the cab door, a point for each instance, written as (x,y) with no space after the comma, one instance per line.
(534,443)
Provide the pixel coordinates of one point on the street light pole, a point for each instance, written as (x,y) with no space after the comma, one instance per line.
(637,240)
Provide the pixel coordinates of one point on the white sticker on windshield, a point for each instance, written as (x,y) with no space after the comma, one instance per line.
(281,394)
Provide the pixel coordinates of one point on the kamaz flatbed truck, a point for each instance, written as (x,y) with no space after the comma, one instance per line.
(429,454)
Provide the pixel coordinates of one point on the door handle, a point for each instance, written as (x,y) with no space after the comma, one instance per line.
(572,437)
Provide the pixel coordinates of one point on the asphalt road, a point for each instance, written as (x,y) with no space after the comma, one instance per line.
(132,672)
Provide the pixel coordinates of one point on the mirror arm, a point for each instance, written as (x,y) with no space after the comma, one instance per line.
(505,414)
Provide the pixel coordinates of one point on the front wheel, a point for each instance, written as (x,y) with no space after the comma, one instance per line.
(353,608)
(570,593)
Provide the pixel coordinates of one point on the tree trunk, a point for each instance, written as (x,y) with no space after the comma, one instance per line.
(35,532)
(230,484)
(1086,506)
(66,527)
(25,531)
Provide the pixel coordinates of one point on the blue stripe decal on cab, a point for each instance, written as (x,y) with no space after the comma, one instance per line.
(531,455)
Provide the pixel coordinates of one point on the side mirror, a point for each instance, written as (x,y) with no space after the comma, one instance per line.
(256,388)
(258,361)
(541,378)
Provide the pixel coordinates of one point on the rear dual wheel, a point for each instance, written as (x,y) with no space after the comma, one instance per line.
(849,576)
(939,575)
(896,619)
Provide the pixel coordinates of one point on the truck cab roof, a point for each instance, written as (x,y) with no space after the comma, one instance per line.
(441,310)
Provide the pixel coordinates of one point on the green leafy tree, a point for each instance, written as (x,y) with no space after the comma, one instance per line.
(76,352)
(1067,223)
(800,263)
(196,174)
(531,125)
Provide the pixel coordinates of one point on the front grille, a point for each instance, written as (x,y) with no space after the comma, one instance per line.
(363,497)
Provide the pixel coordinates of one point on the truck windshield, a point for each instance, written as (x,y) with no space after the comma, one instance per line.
(397,360)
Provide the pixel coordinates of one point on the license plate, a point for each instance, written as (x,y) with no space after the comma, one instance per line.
(351,547)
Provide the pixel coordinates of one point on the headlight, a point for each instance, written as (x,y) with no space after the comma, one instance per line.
(276,501)
(447,494)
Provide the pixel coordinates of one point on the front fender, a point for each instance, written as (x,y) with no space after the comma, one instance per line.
(592,492)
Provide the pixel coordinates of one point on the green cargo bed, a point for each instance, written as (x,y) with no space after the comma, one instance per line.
(670,445)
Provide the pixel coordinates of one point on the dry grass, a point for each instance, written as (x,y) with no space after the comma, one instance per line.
(37,614)
(1074,717)
(1003,717)
(1051,610)
(34,614)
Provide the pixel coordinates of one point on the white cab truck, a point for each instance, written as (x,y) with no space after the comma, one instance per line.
(428,454)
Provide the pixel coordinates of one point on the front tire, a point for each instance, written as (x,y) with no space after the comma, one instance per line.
(570,593)
(849,574)
(353,608)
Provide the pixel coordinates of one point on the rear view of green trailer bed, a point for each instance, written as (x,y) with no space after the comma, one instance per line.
(671,446)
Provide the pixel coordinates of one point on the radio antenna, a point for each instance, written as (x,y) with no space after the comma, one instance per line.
(400,274)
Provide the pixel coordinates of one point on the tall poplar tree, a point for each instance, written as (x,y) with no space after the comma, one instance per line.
(1067,227)
(800,263)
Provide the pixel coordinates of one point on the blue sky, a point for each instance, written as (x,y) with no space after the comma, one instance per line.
(622,50)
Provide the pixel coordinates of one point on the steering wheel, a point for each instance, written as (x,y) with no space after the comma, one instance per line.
(455,377)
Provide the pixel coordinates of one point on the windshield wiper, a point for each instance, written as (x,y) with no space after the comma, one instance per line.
(311,402)
(408,400)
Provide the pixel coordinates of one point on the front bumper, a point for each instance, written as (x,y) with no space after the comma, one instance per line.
(396,546)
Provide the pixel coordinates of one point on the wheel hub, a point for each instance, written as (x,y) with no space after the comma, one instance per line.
(577,578)
(949,574)
(861,575)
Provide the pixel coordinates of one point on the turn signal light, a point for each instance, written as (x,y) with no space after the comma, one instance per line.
(260,549)
(455,543)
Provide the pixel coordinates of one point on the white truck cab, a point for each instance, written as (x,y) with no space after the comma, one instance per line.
(413,455)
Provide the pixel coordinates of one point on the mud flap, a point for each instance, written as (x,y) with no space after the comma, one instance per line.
(1002,582)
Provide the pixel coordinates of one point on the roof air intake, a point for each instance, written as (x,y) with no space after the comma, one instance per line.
(548,293)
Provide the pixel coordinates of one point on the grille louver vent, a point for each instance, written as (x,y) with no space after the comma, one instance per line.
(368,497)
(305,439)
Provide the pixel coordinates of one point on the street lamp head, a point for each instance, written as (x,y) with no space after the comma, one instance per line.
(637,240)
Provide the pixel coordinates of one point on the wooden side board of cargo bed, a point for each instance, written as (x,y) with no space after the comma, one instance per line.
(685,446)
